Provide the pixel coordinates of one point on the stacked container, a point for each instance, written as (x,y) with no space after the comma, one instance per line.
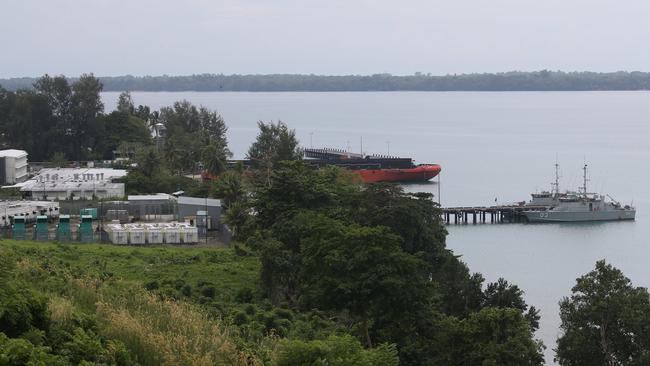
(171,233)
(189,233)
(153,233)
(117,234)
(136,234)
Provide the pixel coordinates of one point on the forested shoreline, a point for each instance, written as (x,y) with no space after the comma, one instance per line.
(543,80)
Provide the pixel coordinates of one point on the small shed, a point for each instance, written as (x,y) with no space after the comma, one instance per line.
(189,206)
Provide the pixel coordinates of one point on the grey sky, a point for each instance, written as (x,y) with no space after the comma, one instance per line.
(153,37)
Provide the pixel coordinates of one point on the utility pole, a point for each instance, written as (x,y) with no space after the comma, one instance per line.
(388,147)
(206,218)
(439,201)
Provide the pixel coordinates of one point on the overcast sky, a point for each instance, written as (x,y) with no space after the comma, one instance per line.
(154,37)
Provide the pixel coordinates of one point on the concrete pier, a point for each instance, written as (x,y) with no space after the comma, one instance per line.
(487,214)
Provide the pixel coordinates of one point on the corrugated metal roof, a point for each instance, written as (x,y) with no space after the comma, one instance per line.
(31,186)
(149,197)
(199,201)
(74,178)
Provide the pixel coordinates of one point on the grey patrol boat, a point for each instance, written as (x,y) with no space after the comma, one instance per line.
(578,206)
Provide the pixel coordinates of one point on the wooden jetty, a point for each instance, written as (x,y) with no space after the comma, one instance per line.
(487,214)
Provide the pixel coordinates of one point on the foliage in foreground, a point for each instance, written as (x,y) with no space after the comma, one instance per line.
(334,351)
(95,318)
(374,258)
(606,321)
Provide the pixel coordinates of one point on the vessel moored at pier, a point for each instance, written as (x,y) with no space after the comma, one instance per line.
(580,206)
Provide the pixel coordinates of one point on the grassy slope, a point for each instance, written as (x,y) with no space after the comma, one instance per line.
(227,272)
(107,284)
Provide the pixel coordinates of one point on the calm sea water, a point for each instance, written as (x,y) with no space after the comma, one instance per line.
(492,146)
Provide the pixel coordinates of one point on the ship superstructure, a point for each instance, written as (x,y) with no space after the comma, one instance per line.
(577,206)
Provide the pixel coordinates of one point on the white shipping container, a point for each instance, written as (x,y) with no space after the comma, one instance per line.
(172,234)
(154,234)
(117,234)
(190,235)
(136,235)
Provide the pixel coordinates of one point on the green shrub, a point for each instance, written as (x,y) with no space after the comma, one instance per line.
(240,318)
(209,291)
(335,351)
(84,346)
(152,285)
(21,309)
(18,352)
(244,295)
(187,290)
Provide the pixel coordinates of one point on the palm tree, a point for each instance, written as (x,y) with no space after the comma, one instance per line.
(230,188)
(214,159)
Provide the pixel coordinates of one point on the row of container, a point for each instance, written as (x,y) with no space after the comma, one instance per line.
(41,229)
(152,233)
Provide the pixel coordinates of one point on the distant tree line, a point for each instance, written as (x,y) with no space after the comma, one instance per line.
(543,80)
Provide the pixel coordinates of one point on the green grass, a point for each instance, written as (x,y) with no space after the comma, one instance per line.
(212,288)
(220,267)
(183,319)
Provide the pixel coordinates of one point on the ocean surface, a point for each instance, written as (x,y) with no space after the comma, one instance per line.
(493,146)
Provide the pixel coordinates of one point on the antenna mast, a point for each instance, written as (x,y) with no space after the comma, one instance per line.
(584,180)
(556,185)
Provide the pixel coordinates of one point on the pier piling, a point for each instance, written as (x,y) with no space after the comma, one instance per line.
(479,214)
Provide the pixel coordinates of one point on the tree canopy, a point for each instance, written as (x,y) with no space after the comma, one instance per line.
(375,257)
(606,321)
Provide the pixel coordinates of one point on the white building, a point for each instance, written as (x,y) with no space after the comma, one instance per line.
(28,210)
(74,183)
(13,166)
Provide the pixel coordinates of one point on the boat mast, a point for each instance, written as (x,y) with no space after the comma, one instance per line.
(556,185)
(584,180)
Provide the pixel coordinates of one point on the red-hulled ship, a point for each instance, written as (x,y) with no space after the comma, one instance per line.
(370,168)
(373,168)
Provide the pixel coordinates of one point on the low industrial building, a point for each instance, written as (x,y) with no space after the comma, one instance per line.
(152,206)
(188,207)
(13,166)
(28,210)
(74,184)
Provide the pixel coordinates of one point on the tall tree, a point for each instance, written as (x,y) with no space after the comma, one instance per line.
(500,337)
(230,187)
(360,270)
(58,93)
(86,107)
(274,143)
(193,135)
(501,294)
(125,103)
(214,158)
(606,321)
(121,128)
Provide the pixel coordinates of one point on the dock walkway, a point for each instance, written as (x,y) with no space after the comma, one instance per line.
(487,214)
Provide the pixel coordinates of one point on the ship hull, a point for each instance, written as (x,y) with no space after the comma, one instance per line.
(585,216)
(420,173)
